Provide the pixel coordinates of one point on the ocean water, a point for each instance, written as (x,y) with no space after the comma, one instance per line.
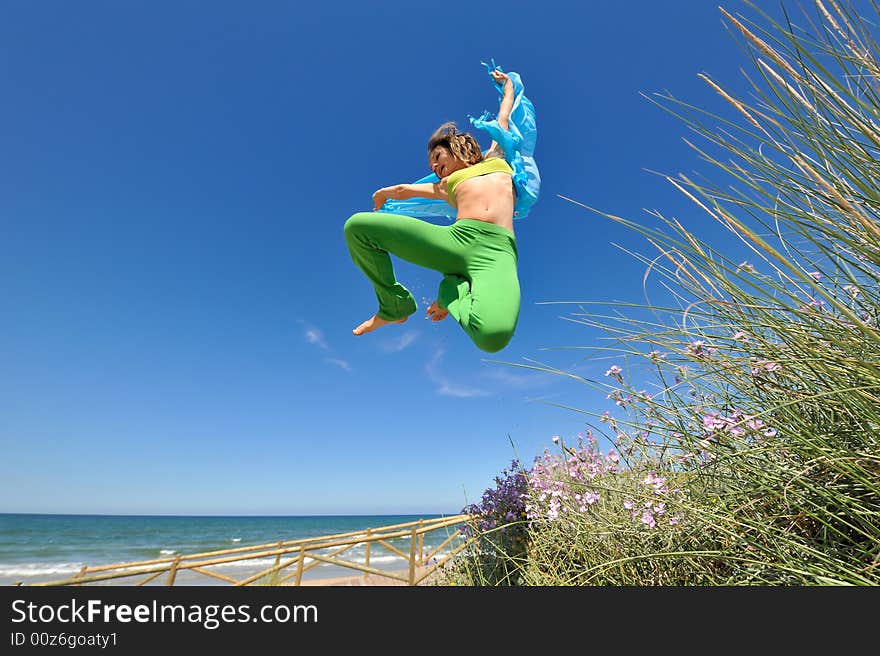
(41,548)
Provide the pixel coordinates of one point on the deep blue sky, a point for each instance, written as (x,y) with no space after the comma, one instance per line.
(176,297)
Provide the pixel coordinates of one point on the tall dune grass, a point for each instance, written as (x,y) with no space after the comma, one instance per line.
(745,411)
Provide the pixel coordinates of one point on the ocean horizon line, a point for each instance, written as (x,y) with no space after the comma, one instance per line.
(254,515)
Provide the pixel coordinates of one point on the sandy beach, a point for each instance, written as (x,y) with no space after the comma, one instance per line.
(368,580)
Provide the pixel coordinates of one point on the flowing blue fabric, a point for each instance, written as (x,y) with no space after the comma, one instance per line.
(518,143)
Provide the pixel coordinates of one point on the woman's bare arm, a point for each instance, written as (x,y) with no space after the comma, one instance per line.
(503,112)
(435,190)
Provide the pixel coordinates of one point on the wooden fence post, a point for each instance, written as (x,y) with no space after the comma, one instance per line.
(369,545)
(172,572)
(412,557)
(299,564)
(81,573)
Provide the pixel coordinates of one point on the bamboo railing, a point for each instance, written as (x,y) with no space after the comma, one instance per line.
(417,565)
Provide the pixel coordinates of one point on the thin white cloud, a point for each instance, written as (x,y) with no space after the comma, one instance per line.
(342,364)
(314,336)
(528,380)
(444,386)
(399,344)
(446,389)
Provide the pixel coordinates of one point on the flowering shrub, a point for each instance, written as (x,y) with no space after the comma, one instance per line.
(560,483)
(502,504)
(580,481)
(499,526)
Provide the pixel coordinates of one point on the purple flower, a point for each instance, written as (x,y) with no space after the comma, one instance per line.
(695,348)
(763,366)
(712,422)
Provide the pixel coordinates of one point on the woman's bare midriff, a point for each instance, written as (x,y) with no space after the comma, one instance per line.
(488,198)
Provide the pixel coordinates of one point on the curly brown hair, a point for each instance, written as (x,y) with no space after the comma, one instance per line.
(461,144)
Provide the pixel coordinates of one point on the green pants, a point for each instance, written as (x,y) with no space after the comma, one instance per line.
(480,287)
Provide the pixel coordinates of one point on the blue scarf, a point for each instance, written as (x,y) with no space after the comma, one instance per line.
(518,143)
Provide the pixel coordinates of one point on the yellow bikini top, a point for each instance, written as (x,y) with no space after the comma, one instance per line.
(489,165)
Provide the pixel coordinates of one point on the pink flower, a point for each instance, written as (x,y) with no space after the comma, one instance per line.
(628,505)
(812,304)
(648,518)
(712,422)
(657,482)
(695,347)
(815,275)
(616,373)
(765,366)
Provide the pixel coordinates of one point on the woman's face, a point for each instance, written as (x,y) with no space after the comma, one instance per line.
(443,162)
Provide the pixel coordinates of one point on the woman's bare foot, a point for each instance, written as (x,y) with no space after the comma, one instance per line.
(374,322)
(436,313)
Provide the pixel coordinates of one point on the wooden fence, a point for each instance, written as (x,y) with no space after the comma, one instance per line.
(417,564)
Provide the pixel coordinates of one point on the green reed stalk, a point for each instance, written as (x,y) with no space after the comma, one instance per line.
(755,457)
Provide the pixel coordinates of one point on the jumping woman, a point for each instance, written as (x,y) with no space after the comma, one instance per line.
(476,254)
